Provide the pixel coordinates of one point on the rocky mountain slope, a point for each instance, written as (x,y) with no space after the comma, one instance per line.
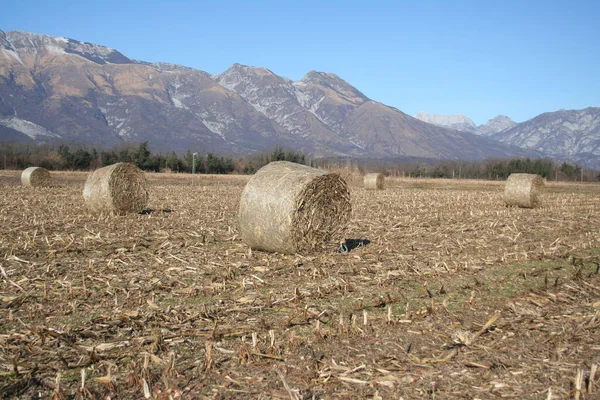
(495,125)
(54,88)
(62,89)
(572,135)
(326,110)
(564,135)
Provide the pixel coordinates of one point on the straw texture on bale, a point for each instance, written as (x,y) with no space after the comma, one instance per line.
(119,188)
(523,190)
(36,177)
(374,181)
(291,208)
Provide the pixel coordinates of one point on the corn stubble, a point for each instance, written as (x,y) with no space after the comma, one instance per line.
(454,296)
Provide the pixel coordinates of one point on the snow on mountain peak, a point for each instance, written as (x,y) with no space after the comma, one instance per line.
(456,121)
(34,43)
(26,127)
(465,124)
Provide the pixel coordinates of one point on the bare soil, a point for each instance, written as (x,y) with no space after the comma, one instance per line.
(444,293)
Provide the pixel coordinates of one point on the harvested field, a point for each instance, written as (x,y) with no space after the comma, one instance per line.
(444,293)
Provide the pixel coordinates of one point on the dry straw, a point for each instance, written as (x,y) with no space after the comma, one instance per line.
(374,181)
(36,177)
(291,208)
(120,188)
(523,190)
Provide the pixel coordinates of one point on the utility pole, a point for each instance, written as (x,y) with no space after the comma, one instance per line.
(193,166)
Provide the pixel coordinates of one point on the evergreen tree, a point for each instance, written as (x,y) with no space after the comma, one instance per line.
(142,155)
(278,154)
(65,153)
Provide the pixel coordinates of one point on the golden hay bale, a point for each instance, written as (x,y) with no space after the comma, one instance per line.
(523,190)
(36,177)
(291,208)
(120,188)
(374,181)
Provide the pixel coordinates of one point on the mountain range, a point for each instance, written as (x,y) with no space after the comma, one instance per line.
(466,124)
(563,135)
(571,135)
(60,89)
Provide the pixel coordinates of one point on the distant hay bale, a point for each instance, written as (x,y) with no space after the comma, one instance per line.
(291,208)
(120,188)
(523,190)
(374,181)
(36,177)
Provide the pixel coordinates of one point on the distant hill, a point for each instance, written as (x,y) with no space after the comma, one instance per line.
(572,135)
(54,88)
(495,125)
(456,121)
(465,124)
(564,135)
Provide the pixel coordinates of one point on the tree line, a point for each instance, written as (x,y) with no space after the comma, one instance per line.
(66,157)
(79,158)
(489,169)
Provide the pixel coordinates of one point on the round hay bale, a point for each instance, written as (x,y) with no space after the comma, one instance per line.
(291,208)
(36,177)
(120,188)
(374,181)
(523,190)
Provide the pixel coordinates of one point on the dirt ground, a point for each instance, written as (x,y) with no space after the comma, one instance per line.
(444,294)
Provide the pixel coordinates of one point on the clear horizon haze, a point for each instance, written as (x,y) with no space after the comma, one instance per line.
(476,58)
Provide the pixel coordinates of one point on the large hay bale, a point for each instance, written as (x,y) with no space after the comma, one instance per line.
(374,181)
(120,188)
(291,208)
(523,190)
(36,177)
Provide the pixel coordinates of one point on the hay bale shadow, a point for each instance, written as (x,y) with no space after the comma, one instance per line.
(350,244)
(147,211)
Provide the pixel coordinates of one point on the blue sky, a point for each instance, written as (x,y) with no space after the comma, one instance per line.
(478,58)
